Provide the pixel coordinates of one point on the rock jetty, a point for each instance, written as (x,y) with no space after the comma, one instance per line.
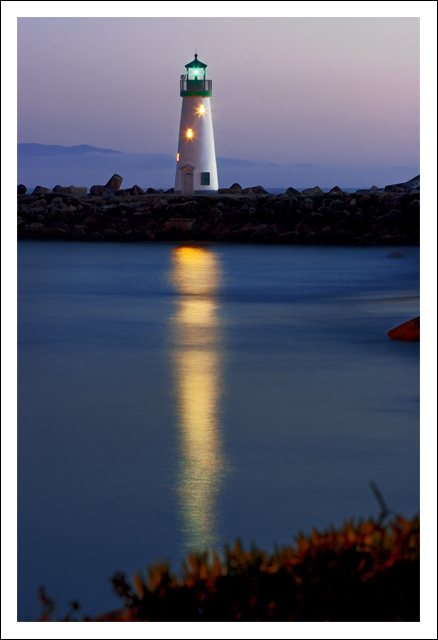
(387,216)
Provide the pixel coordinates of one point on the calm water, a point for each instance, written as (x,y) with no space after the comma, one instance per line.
(173,397)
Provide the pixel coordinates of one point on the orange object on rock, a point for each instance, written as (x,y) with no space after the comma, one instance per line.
(408,331)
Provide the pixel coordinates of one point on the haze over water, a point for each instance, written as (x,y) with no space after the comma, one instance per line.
(175,397)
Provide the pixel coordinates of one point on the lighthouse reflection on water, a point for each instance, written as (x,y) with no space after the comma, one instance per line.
(196,354)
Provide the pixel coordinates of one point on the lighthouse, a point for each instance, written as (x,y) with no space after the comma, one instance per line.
(196,170)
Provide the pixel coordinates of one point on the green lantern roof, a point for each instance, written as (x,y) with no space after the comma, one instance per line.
(195,64)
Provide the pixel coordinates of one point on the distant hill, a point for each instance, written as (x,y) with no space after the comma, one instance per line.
(84,165)
(30,150)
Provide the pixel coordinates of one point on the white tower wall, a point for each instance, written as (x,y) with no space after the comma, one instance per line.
(196,152)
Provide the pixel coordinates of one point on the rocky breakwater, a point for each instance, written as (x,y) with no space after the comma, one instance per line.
(388,216)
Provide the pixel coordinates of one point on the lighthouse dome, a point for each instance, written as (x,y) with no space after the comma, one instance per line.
(195,64)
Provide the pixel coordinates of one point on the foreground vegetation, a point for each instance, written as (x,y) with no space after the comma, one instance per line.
(364,571)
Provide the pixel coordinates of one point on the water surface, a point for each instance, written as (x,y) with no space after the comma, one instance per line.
(172,398)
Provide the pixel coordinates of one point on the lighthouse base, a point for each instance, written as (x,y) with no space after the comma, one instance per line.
(205,192)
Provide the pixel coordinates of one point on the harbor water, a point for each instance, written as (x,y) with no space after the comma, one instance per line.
(175,397)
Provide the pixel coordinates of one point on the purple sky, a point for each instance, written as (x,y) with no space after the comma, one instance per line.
(341,91)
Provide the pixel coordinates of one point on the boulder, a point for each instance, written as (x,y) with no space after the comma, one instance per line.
(110,234)
(292,192)
(59,189)
(308,204)
(34,227)
(235,188)
(114,183)
(21,190)
(78,192)
(414,206)
(79,231)
(407,332)
(99,190)
(336,191)
(136,190)
(258,190)
(38,190)
(390,218)
(413,183)
(95,236)
(314,191)
(337,205)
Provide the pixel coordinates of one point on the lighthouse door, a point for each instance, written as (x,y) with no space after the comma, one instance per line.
(187,187)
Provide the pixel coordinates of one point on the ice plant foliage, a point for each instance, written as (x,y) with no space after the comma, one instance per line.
(366,571)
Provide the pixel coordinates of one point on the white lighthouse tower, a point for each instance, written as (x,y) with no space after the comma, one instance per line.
(196,170)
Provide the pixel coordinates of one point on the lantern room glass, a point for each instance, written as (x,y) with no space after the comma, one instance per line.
(196,73)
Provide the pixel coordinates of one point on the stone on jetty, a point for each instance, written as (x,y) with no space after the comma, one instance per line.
(59,189)
(136,191)
(99,190)
(77,192)
(112,186)
(402,187)
(39,190)
(407,332)
(258,190)
(114,183)
(292,192)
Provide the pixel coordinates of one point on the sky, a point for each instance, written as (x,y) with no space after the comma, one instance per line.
(286,90)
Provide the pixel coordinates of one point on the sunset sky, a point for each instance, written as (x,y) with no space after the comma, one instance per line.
(285,90)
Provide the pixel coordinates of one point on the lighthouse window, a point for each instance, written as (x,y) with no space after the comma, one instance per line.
(205,178)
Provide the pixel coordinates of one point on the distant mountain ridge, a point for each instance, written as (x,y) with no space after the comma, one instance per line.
(85,165)
(31,149)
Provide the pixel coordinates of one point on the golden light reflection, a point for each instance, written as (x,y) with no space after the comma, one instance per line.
(189,133)
(201,109)
(196,356)
(196,270)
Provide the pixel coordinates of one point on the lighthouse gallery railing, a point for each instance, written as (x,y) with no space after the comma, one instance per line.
(195,85)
